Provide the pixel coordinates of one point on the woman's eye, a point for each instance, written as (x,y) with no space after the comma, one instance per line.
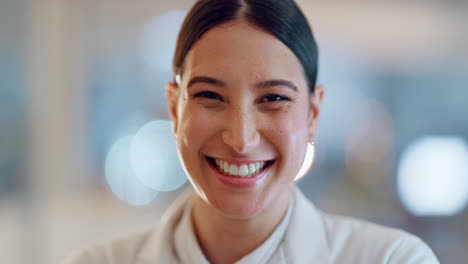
(208,95)
(273,98)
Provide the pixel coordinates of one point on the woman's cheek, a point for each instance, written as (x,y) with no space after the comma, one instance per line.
(290,127)
(291,139)
(196,127)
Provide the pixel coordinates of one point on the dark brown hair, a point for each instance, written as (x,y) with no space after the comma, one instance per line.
(281,18)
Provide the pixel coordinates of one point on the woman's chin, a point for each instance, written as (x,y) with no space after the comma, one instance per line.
(240,209)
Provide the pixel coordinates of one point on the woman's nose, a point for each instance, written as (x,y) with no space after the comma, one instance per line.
(241,132)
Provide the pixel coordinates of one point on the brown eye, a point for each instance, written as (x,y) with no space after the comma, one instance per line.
(208,95)
(273,98)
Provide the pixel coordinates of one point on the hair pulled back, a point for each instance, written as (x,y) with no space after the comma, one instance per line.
(281,18)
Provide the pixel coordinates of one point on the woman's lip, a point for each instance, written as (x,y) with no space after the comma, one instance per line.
(237,181)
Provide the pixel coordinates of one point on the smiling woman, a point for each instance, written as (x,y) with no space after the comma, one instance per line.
(245,105)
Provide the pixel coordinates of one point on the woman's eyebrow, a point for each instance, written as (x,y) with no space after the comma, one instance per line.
(205,79)
(262,84)
(271,83)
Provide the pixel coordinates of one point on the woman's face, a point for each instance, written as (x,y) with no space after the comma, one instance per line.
(242,118)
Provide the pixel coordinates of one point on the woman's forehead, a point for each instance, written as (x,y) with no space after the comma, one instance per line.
(241,49)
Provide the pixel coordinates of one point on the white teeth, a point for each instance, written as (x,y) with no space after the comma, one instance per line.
(244,170)
(252,168)
(234,170)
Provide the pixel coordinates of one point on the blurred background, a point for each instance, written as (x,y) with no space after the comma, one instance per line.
(82,85)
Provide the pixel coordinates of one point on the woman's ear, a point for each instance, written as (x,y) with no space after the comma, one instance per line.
(315,106)
(172,94)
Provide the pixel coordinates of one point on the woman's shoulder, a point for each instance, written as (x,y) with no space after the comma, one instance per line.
(338,239)
(142,247)
(347,235)
(117,251)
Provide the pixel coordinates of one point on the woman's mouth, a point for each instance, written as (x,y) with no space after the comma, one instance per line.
(240,169)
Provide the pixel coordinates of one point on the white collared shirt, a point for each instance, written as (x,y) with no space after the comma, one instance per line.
(305,235)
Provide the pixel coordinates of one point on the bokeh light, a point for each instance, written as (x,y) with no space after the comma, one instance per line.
(308,160)
(154,157)
(159,39)
(433,176)
(120,176)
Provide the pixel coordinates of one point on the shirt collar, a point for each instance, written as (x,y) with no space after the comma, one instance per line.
(304,235)
(306,239)
(185,241)
(158,247)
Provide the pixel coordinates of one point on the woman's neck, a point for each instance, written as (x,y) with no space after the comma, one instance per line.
(226,240)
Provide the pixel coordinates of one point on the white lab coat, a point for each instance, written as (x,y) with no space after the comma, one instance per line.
(306,235)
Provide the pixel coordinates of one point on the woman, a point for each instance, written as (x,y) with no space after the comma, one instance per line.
(244,105)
